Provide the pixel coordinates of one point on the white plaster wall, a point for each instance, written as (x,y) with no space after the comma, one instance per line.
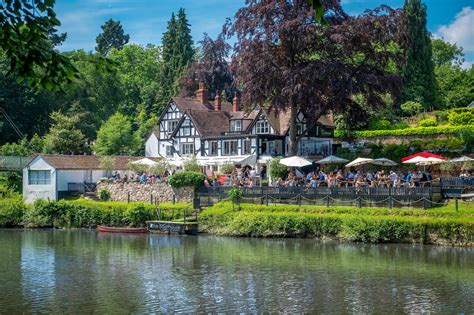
(151,146)
(33,192)
(69,176)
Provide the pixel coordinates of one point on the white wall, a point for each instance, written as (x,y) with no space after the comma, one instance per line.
(33,192)
(151,146)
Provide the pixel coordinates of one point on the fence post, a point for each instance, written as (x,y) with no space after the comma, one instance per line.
(266,200)
(128,197)
(185,213)
(151,198)
(360,202)
(299,200)
(174,199)
(390,201)
(327,201)
(457,203)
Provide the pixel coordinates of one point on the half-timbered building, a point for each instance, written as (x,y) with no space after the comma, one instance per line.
(218,132)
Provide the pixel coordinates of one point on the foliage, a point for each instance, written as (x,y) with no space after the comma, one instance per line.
(137,167)
(451,144)
(191,165)
(104,194)
(115,137)
(380,124)
(11,180)
(456,86)
(15,149)
(211,68)
(419,83)
(11,209)
(411,108)
(112,37)
(427,122)
(186,178)
(467,137)
(227,168)
(160,168)
(177,54)
(445,53)
(138,215)
(407,131)
(235,195)
(315,69)
(277,170)
(356,224)
(26,26)
(64,137)
(441,116)
(107,163)
(461,116)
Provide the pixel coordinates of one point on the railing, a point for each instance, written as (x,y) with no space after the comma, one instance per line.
(453,186)
(82,187)
(365,196)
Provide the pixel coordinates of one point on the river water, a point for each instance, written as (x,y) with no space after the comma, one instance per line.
(84,271)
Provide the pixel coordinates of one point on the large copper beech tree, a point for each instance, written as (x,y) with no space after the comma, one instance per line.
(285,60)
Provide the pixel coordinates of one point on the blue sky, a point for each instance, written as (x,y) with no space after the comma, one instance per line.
(145,20)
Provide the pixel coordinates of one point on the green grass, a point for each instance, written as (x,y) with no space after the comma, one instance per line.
(440,225)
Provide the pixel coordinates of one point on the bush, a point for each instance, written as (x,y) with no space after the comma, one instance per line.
(277,170)
(467,137)
(42,214)
(235,195)
(427,122)
(450,144)
(408,131)
(227,168)
(191,165)
(461,116)
(138,214)
(380,124)
(441,116)
(11,211)
(411,108)
(186,178)
(104,194)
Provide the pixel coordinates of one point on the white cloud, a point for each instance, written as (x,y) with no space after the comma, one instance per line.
(461,30)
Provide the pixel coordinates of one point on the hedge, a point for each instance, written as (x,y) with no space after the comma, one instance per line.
(348,223)
(405,132)
(182,179)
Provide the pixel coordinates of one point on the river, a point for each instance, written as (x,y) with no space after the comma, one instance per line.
(76,271)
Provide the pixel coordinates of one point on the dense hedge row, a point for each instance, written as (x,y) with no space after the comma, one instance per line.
(406,132)
(366,225)
(84,213)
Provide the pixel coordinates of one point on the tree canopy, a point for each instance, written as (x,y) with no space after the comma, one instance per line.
(112,37)
(285,60)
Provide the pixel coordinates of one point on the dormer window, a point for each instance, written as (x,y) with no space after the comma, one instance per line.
(171,125)
(263,127)
(235,125)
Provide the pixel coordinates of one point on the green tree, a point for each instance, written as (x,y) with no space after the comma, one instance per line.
(418,74)
(178,53)
(445,53)
(112,36)
(115,137)
(64,137)
(456,86)
(26,26)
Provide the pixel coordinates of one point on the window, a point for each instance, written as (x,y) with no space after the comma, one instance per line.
(169,150)
(186,127)
(213,148)
(230,147)
(235,125)
(263,127)
(247,146)
(39,177)
(172,125)
(300,128)
(187,148)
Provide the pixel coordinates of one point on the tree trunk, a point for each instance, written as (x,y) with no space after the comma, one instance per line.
(292,143)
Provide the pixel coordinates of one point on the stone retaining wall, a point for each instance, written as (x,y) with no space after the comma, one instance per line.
(162,192)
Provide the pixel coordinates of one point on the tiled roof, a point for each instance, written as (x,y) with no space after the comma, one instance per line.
(210,123)
(185,103)
(85,162)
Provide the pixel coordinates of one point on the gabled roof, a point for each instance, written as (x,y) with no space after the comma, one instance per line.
(187,103)
(207,123)
(83,162)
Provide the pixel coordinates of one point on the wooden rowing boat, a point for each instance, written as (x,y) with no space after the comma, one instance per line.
(109,229)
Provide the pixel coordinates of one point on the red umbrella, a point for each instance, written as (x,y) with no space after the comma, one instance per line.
(423,155)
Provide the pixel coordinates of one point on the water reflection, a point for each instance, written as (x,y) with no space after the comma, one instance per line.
(83,271)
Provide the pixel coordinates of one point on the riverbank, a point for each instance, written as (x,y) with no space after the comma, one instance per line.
(442,226)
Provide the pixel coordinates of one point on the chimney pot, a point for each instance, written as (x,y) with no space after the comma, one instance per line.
(235,103)
(217,102)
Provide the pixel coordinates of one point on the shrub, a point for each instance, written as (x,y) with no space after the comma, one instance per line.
(408,131)
(427,122)
(104,194)
(227,168)
(235,195)
(380,124)
(277,170)
(461,116)
(191,165)
(467,137)
(138,214)
(41,214)
(411,108)
(441,116)
(11,211)
(186,178)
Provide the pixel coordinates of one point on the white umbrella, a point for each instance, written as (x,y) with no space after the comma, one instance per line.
(360,161)
(295,161)
(332,159)
(415,160)
(460,159)
(384,162)
(430,161)
(145,161)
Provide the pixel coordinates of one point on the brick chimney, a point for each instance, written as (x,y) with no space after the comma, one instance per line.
(235,103)
(201,94)
(217,102)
